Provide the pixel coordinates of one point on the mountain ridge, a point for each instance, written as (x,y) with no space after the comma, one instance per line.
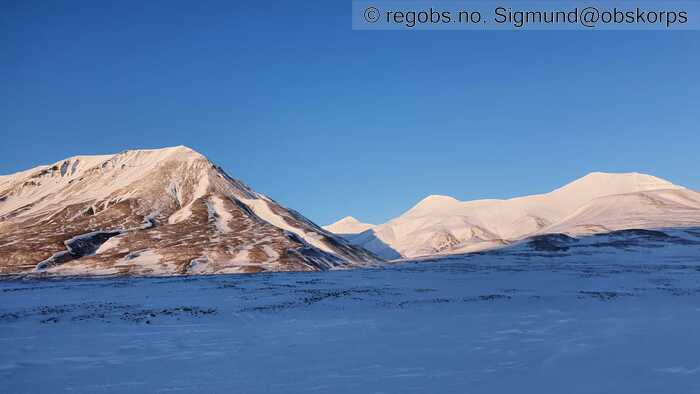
(172,211)
(444,225)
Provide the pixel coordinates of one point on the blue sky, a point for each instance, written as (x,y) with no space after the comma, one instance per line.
(333,122)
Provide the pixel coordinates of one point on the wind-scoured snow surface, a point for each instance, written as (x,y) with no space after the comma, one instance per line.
(612,313)
(596,203)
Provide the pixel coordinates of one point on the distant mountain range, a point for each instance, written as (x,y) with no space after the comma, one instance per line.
(173,212)
(154,212)
(597,203)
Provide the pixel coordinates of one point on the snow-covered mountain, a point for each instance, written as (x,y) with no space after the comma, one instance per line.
(154,212)
(348,225)
(596,203)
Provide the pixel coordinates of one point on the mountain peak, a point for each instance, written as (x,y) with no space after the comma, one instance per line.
(604,175)
(437,199)
(179,148)
(182,150)
(348,225)
(433,202)
(179,151)
(606,183)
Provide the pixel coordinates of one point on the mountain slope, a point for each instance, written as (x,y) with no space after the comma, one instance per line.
(598,202)
(664,208)
(348,225)
(154,212)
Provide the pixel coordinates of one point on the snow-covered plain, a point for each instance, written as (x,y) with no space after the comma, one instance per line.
(608,314)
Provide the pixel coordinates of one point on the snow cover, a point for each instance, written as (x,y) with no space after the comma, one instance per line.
(598,202)
(262,209)
(110,244)
(145,258)
(50,186)
(348,225)
(551,313)
(185,212)
(605,319)
(219,214)
(649,209)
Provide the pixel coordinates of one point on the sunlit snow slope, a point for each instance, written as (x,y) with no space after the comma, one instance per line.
(596,203)
(154,212)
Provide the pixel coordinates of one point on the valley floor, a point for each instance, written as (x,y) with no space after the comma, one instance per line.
(479,324)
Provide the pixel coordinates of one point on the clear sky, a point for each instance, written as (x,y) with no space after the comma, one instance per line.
(334,122)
